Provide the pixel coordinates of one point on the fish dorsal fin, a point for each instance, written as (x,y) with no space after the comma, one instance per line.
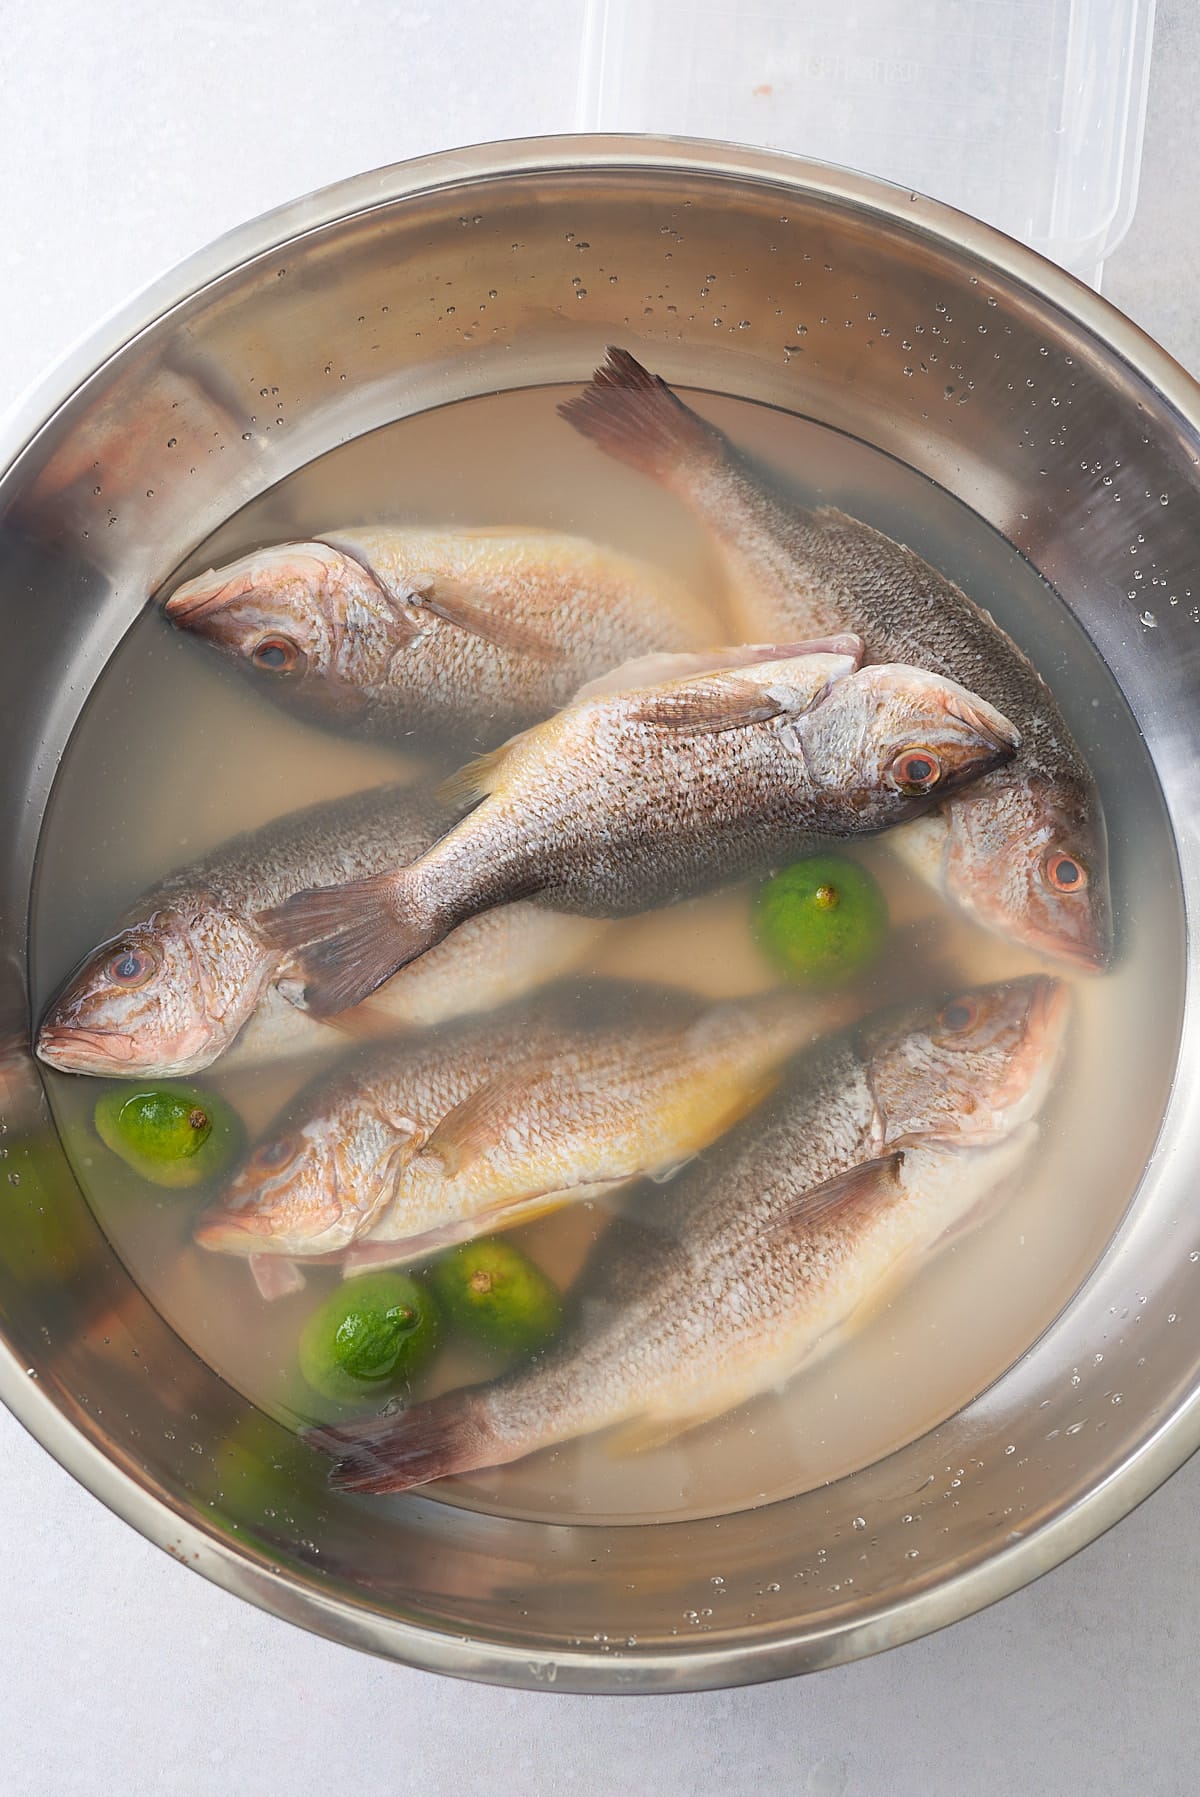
(471,1127)
(707,707)
(663,666)
(855,1195)
(477,779)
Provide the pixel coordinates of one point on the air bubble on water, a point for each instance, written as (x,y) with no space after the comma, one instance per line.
(716,1581)
(992,300)
(1149,620)
(859,1522)
(914,1553)
(1074,1428)
(1116,1397)
(247,436)
(773,1587)
(171,442)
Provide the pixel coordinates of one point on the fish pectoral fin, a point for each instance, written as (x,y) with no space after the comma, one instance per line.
(471,608)
(474,1124)
(857,1193)
(708,706)
(663,666)
(275,1276)
(469,784)
(405,1249)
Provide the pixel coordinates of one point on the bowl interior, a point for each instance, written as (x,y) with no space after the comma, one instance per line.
(499,269)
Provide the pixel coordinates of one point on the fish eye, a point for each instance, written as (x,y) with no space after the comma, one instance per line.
(916,770)
(958,1015)
(1064,873)
(131,967)
(270,1155)
(279,655)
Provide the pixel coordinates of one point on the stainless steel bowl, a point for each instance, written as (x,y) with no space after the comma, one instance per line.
(466,267)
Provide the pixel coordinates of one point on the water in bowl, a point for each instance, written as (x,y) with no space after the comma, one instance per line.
(175,752)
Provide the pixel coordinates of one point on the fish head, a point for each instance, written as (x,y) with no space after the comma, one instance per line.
(308,621)
(1027,857)
(972,1072)
(164,997)
(897,737)
(308,1188)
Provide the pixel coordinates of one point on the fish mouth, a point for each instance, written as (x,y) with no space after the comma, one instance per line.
(1090,957)
(85,1051)
(227,1233)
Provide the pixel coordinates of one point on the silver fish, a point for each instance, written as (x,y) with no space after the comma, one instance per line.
(417,1143)
(630,799)
(1025,851)
(877,1146)
(392,631)
(189,973)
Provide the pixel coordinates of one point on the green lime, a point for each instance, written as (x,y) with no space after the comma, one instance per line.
(823,920)
(498,1296)
(373,1334)
(173,1135)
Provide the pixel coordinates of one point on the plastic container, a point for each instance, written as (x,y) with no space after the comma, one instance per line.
(1027,113)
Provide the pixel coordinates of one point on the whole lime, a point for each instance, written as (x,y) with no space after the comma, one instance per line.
(173,1135)
(823,920)
(498,1296)
(373,1334)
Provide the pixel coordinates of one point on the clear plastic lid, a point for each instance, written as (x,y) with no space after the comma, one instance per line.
(1027,113)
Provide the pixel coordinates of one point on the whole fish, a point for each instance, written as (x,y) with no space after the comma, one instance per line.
(397,632)
(1025,851)
(875,1148)
(634,798)
(412,1145)
(190,973)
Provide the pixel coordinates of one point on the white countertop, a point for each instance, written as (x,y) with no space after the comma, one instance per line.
(131,134)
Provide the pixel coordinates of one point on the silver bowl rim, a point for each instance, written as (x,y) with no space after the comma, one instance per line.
(695,1666)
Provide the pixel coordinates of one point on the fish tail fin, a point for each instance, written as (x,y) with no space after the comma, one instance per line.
(428,1441)
(634,416)
(350,939)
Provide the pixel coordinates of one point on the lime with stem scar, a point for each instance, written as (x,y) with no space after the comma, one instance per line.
(823,920)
